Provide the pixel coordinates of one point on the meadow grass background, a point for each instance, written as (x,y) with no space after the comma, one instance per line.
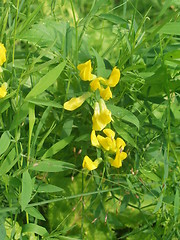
(45,41)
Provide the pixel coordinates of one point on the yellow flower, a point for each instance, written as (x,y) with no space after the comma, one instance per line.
(117,162)
(85,71)
(2,54)
(3,90)
(74,103)
(106,93)
(101,117)
(94,140)
(89,164)
(114,77)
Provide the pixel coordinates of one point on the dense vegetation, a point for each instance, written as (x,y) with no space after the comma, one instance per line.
(70,67)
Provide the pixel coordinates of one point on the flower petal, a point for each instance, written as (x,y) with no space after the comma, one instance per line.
(109,133)
(85,71)
(114,77)
(120,143)
(94,140)
(89,164)
(2,54)
(106,93)
(117,162)
(101,117)
(3,90)
(95,84)
(74,103)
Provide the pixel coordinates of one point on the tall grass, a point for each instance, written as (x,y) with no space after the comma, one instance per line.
(45,192)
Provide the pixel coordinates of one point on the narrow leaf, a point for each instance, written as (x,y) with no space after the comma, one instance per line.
(35,213)
(46,81)
(4,142)
(34,228)
(25,196)
(51,166)
(57,147)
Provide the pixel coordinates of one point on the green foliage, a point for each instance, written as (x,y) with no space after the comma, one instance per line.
(45,193)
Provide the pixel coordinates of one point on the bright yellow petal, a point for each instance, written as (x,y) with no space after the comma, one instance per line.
(74,103)
(109,133)
(120,143)
(2,54)
(85,71)
(105,142)
(95,84)
(89,164)
(106,93)
(117,162)
(94,140)
(3,90)
(101,117)
(114,77)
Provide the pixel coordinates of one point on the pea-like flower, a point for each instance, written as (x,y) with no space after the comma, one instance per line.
(99,82)
(101,117)
(85,71)
(89,164)
(2,54)
(74,103)
(111,145)
(3,90)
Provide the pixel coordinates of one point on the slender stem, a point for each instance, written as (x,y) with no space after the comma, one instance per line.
(15,26)
(76,30)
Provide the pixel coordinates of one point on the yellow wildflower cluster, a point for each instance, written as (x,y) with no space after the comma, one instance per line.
(101,116)
(3,88)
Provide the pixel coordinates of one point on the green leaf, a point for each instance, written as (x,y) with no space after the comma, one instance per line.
(34,228)
(46,81)
(35,213)
(101,69)
(20,116)
(57,147)
(25,196)
(48,188)
(151,175)
(124,135)
(51,166)
(172,28)
(4,142)
(9,162)
(112,18)
(123,114)
(43,102)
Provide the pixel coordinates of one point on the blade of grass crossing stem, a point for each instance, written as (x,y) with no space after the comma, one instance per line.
(31,125)
(4,142)
(25,195)
(46,81)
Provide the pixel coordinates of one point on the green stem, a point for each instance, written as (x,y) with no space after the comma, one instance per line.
(15,26)
(76,30)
